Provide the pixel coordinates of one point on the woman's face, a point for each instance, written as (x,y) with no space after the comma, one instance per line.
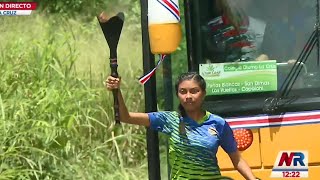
(190,95)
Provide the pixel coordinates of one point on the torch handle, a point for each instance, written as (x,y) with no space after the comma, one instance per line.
(114,73)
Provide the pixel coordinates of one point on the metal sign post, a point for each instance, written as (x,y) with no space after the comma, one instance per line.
(150,96)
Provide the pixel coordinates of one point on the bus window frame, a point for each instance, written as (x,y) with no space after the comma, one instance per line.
(256,101)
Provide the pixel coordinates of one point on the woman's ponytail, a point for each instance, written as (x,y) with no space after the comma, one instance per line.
(182,125)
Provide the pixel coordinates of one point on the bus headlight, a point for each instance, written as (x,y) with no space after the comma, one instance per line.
(243,137)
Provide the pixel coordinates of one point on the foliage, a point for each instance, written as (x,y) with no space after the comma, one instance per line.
(56,118)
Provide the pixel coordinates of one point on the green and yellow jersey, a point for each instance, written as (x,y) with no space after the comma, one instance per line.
(192,150)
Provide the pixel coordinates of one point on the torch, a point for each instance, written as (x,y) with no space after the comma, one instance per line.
(111,28)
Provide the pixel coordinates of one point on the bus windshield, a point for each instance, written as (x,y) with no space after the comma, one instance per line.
(251,51)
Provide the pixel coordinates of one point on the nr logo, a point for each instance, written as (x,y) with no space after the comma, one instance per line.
(291,164)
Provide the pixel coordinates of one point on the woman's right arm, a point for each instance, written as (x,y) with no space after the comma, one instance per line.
(126,116)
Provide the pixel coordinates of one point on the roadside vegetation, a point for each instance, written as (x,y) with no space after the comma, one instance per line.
(56,118)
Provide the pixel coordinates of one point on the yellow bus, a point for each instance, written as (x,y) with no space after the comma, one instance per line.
(261,61)
(268,58)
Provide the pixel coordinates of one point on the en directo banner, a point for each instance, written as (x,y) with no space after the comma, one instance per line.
(239,77)
(17,8)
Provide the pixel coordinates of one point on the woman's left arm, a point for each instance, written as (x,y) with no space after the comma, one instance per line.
(241,165)
(229,144)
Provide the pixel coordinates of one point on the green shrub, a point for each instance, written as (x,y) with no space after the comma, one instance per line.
(55,115)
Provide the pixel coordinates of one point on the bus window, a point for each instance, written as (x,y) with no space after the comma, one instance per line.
(232,34)
(263,40)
